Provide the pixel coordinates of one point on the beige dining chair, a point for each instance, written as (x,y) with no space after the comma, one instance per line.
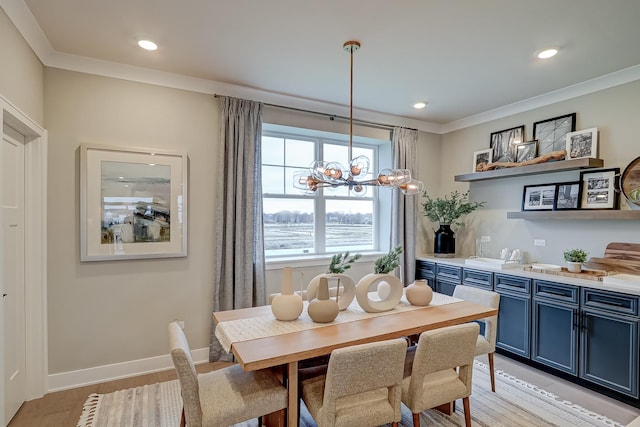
(486,343)
(226,396)
(362,386)
(442,370)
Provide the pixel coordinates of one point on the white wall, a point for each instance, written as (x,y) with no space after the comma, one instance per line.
(613,111)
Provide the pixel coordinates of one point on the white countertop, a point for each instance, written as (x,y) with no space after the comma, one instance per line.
(519,271)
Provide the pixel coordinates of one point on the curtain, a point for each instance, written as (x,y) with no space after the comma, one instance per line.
(239,275)
(403,212)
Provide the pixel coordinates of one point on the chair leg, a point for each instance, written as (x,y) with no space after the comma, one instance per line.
(416,420)
(183,421)
(493,380)
(467,412)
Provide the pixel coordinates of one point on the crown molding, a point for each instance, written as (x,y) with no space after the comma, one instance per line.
(27,25)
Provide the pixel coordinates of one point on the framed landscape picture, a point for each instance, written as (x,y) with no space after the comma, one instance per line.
(503,143)
(133,203)
(567,196)
(551,133)
(582,143)
(599,189)
(538,197)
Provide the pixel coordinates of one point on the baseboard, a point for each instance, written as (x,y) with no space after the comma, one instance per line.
(132,368)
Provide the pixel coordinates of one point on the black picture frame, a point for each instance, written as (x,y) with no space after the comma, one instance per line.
(539,197)
(599,189)
(526,151)
(503,143)
(568,196)
(551,133)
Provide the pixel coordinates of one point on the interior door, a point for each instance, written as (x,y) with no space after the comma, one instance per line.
(13,280)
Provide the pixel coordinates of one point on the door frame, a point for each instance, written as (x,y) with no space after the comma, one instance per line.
(35,204)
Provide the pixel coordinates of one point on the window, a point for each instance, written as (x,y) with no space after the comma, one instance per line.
(331,219)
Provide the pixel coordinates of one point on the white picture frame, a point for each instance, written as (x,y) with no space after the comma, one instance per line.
(133,203)
(582,143)
(482,157)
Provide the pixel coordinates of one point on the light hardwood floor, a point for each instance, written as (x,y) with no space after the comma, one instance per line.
(63,408)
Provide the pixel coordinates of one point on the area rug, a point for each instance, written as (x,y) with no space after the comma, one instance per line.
(515,403)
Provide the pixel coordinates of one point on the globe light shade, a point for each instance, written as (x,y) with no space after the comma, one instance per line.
(360,166)
(412,187)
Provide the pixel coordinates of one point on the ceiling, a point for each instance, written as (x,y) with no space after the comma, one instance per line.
(466,58)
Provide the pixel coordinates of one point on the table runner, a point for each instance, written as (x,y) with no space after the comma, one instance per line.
(268,326)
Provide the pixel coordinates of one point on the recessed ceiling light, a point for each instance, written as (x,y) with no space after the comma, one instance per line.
(419,105)
(548,53)
(147,44)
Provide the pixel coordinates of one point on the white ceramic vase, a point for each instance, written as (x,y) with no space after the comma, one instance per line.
(345,282)
(322,309)
(287,306)
(419,293)
(574,267)
(371,282)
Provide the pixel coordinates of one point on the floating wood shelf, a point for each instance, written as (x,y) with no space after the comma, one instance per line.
(591,214)
(557,166)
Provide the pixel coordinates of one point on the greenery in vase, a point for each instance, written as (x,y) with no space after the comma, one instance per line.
(575,255)
(447,210)
(388,262)
(341,262)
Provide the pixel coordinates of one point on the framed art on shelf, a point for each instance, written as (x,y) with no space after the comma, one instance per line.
(526,151)
(503,143)
(599,189)
(552,133)
(482,157)
(567,196)
(582,143)
(538,197)
(133,203)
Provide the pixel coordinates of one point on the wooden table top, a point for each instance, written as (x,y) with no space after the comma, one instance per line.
(281,349)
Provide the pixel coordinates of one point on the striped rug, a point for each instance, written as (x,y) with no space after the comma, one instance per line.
(515,403)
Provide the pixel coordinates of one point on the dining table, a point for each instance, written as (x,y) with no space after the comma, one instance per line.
(259,341)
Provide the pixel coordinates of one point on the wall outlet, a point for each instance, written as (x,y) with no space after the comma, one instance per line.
(539,242)
(485,239)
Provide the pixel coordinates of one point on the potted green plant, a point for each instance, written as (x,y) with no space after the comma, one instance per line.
(388,286)
(342,262)
(447,211)
(574,259)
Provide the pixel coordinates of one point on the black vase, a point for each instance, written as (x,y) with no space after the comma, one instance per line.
(444,243)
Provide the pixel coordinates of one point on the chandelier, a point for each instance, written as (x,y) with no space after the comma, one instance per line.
(323,174)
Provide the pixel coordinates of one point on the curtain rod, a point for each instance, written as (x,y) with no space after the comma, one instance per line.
(330,116)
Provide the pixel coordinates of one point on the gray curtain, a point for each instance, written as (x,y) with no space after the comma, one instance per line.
(239,277)
(403,212)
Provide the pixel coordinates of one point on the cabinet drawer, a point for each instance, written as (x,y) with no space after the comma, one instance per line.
(425,269)
(555,291)
(477,278)
(450,273)
(503,282)
(610,301)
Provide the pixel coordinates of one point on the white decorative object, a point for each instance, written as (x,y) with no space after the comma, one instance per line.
(287,306)
(369,283)
(384,290)
(345,282)
(323,309)
(574,267)
(419,293)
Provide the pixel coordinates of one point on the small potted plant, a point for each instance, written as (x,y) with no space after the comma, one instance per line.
(388,286)
(447,211)
(574,259)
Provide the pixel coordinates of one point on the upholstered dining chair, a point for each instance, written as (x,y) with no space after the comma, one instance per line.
(442,370)
(226,396)
(362,386)
(486,343)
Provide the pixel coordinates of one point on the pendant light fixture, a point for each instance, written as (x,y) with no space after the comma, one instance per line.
(322,174)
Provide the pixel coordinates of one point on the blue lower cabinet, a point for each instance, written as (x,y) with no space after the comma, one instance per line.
(554,340)
(609,351)
(445,287)
(514,324)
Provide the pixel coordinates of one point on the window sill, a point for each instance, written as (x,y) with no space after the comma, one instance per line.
(278,263)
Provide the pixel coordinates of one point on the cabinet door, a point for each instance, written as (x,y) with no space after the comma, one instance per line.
(514,324)
(445,287)
(609,351)
(554,340)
